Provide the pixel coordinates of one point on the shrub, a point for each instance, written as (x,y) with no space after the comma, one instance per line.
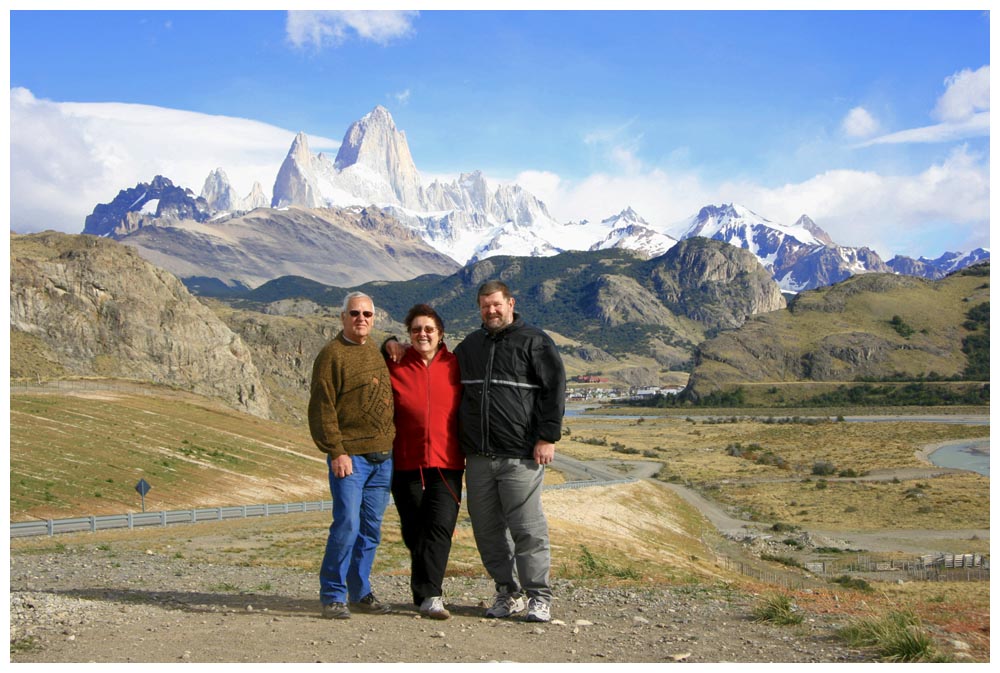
(592,566)
(781,527)
(824,468)
(853,583)
(783,560)
(777,609)
(896,636)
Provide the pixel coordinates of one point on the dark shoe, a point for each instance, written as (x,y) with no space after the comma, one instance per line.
(505,605)
(336,611)
(371,605)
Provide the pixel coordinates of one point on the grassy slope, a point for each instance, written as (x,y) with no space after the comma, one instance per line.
(83,452)
(935,310)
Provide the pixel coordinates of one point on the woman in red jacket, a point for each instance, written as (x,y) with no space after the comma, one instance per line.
(427,461)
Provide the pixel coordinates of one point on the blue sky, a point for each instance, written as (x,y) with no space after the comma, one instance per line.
(876,124)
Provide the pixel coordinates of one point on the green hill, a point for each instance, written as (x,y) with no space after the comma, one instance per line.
(872,328)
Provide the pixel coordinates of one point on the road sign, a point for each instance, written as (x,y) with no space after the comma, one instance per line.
(143,488)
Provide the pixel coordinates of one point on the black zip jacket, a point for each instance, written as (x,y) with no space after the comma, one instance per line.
(514,391)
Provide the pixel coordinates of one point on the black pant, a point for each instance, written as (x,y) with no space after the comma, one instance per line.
(428,504)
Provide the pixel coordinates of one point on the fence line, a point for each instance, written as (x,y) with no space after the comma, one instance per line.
(926,568)
(163,518)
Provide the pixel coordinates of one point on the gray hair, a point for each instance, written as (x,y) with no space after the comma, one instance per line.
(355,295)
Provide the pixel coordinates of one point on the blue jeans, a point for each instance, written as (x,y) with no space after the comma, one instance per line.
(359,501)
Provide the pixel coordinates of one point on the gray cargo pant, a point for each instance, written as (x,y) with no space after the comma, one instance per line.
(505,505)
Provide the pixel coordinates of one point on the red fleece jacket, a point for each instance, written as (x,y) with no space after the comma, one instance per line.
(426,402)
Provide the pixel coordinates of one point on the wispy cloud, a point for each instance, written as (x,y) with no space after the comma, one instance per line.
(963,111)
(402,97)
(619,146)
(320,29)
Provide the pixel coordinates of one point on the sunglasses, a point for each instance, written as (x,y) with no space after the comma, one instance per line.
(427,329)
(355,313)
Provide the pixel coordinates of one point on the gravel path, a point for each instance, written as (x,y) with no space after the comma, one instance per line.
(93,606)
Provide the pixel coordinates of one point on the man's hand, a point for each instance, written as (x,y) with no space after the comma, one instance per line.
(544,452)
(395,350)
(342,466)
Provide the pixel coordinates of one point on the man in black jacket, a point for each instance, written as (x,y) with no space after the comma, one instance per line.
(510,418)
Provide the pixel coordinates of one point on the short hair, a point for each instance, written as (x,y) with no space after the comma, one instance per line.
(355,295)
(426,311)
(491,286)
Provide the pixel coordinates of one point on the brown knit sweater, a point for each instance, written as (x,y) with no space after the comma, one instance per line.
(350,400)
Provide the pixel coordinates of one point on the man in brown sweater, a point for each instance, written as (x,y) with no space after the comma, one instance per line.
(350,418)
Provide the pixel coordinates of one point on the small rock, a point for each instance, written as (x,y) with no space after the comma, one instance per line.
(437,634)
(680,657)
(583,622)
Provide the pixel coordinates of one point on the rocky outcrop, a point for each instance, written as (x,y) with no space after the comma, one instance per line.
(714,283)
(296,182)
(221,197)
(373,156)
(102,310)
(155,203)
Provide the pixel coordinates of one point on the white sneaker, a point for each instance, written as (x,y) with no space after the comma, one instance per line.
(538,611)
(504,605)
(433,607)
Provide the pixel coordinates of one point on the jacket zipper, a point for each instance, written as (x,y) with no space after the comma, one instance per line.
(484,408)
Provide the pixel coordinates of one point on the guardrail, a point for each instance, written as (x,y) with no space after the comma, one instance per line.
(164,518)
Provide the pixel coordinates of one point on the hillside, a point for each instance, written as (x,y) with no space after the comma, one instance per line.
(612,301)
(343,246)
(81,448)
(87,306)
(872,327)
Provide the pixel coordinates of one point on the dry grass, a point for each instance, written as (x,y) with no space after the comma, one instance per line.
(639,526)
(695,451)
(83,453)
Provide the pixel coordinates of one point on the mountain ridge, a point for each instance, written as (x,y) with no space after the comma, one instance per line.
(469,219)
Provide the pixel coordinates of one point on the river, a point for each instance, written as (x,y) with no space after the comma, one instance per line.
(965,454)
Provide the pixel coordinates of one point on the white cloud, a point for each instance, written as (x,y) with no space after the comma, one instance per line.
(321,29)
(946,204)
(65,158)
(967,93)
(963,110)
(859,123)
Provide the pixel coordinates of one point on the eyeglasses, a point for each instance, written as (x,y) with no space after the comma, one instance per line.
(355,313)
(427,329)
